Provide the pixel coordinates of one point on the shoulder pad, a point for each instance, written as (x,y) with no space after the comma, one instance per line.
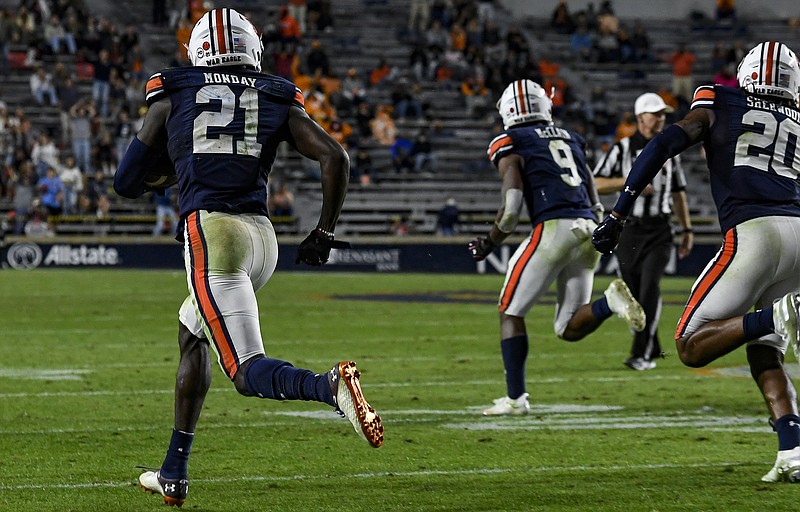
(278,87)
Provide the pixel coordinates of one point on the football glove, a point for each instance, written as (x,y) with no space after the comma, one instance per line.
(316,248)
(481,247)
(606,236)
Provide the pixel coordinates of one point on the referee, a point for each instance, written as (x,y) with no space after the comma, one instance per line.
(646,243)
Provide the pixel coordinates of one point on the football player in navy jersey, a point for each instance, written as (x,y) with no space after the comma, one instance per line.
(221,122)
(544,167)
(750,134)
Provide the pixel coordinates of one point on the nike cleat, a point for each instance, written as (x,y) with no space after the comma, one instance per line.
(350,402)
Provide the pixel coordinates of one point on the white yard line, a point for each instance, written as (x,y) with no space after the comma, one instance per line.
(408,474)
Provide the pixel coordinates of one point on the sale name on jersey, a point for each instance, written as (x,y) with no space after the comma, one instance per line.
(224,78)
(762,104)
(552,132)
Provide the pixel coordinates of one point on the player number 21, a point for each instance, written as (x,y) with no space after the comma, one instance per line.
(224,143)
(752,148)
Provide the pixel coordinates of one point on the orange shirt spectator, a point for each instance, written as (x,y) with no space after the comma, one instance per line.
(380,72)
(183,32)
(627,127)
(340,131)
(559,88)
(548,69)
(458,37)
(288,27)
(383,127)
(197,11)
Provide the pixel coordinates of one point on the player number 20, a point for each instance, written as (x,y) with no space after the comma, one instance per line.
(753,147)
(224,143)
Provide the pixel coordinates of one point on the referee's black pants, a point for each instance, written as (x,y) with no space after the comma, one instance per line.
(643,253)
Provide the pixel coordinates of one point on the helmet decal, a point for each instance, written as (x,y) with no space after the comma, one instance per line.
(223,37)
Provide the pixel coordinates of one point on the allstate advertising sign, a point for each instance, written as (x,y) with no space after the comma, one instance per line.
(29,255)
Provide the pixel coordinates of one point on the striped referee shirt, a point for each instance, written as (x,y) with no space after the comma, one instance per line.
(617,163)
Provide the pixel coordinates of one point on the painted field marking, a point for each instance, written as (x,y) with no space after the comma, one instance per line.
(383,474)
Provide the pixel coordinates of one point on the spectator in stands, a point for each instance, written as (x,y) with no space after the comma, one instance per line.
(183,33)
(341,132)
(57,35)
(458,38)
(401,152)
(364,117)
(437,38)
(561,21)
(320,15)
(51,191)
(682,61)
(353,92)
(281,201)
(726,76)
(317,59)
(581,43)
(448,218)
(493,45)
(37,225)
(165,212)
(382,74)
(288,28)
(104,153)
(400,226)
(405,100)
(101,88)
(476,96)
(419,15)
(24,185)
(299,11)
(361,169)
(383,127)
(72,178)
(627,126)
(641,42)
(726,11)
(44,154)
(123,133)
(42,86)
(95,200)
(422,152)
(81,115)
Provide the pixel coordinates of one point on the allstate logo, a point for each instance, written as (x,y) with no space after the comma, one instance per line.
(24,256)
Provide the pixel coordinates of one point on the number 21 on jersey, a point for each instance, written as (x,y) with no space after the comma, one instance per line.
(245,144)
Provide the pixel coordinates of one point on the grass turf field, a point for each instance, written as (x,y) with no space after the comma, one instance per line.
(88,367)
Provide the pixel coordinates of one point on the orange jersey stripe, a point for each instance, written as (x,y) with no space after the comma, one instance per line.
(299,98)
(498,144)
(220,33)
(708,280)
(770,63)
(153,84)
(704,94)
(203,296)
(516,272)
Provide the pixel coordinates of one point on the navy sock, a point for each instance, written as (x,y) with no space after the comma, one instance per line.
(758,323)
(176,462)
(273,378)
(600,308)
(515,352)
(788,429)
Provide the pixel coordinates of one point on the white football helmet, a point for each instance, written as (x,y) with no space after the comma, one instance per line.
(524,101)
(223,37)
(770,69)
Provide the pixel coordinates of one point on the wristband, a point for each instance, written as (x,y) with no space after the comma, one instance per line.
(328,234)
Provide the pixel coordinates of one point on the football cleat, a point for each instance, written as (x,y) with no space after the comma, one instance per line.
(639,363)
(506,406)
(621,301)
(351,404)
(174,490)
(786,468)
(784,317)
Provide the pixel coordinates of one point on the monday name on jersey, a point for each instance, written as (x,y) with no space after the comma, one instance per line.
(225,78)
(763,104)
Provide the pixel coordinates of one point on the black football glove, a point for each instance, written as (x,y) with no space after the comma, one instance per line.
(316,248)
(606,236)
(480,248)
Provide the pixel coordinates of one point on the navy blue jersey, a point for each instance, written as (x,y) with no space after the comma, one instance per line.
(554,172)
(223,131)
(752,153)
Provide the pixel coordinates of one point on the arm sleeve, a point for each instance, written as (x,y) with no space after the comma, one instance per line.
(129,178)
(665,145)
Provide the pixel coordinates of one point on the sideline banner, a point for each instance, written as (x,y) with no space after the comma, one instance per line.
(450,258)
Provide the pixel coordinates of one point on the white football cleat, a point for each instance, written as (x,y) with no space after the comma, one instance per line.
(174,491)
(350,402)
(621,301)
(786,468)
(506,406)
(784,316)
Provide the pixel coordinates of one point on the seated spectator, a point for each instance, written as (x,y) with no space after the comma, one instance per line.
(405,102)
(383,127)
(400,226)
(476,96)
(364,117)
(56,35)
(419,62)
(320,15)
(281,201)
(361,167)
(448,219)
(561,20)
(422,152)
(44,154)
(627,126)
(641,43)
(458,38)
(436,38)
(353,92)
(402,154)
(581,43)
(382,74)
(317,59)
(23,182)
(51,190)
(340,131)
(41,86)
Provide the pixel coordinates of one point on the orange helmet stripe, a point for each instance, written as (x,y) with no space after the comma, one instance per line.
(220,33)
(521,98)
(770,63)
